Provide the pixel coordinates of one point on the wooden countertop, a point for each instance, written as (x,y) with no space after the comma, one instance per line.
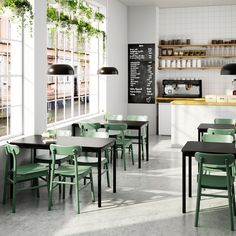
(176,99)
(195,102)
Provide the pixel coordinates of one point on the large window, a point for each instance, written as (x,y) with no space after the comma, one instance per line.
(11,58)
(73,96)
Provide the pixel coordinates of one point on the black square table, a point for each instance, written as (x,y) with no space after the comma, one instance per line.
(189,150)
(202,128)
(88,144)
(134,125)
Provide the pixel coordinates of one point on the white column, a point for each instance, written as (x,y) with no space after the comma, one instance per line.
(35,77)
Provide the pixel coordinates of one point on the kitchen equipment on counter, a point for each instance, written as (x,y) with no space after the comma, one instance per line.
(182,88)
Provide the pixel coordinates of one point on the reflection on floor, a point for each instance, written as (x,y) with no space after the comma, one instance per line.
(147,202)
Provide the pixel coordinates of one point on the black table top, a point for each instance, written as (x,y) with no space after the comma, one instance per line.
(205,126)
(87,143)
(131,123)
(193,146)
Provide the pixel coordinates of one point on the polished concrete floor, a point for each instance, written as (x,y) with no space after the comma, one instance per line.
(147,202)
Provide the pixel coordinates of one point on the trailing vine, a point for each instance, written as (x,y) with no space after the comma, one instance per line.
(21,9)
(79,15)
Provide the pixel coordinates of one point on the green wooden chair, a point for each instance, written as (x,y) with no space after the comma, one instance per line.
(72,171)
(220,182)
(93,161)
(114,117)
(22,173)
(222,132)
(217,138)
(224,121)
(121,143)
(133,134)
(86,126)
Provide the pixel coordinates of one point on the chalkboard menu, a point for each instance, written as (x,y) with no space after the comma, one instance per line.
(141,87)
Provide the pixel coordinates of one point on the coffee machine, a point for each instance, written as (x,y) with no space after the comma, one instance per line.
(182,88)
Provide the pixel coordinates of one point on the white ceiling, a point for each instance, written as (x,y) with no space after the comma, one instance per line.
(178,3)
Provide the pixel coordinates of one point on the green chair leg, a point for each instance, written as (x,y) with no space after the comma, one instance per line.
(142,149)
(14,198)
(92,187)
(77,194)
(231,209)
(5,182)
(71,186)
(132,154)
(233,199)
(198,205)
(37,183)
(64,188)
(107,173)
(123,155)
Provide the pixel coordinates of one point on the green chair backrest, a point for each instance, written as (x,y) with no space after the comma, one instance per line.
(122,127)
(64,150)
(94,134)
(86,126)
(222,131)
(137,117)
(12,151)
(215,159)
(218,138)
(114,117)
(224,121)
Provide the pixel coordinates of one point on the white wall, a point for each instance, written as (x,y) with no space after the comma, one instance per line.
(116,90)
(201,25)
(143,28)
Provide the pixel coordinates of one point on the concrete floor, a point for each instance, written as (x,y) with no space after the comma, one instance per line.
(147,202)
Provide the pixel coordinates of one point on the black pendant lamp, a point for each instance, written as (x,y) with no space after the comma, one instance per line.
(228,69)
(107,71)
(60,69)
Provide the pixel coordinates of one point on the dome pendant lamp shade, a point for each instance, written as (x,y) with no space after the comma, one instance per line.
(60,69)
(228,69)
(107,71)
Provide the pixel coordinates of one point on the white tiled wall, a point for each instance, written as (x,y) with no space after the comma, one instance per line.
(201,25)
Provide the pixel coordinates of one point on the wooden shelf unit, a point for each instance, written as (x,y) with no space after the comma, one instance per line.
(197,45)
(190,68)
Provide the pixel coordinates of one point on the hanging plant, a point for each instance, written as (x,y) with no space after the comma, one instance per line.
(20,9)
(81,18)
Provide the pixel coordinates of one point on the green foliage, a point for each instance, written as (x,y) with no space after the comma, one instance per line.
(99,16)
(21,9)
(81,21)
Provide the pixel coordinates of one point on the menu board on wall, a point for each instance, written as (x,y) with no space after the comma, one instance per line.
(141,87)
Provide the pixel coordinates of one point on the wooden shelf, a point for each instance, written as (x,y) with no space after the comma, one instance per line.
(183,57)
(191,68)
(197,45)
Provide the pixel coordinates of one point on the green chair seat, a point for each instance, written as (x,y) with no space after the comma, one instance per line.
(44,158)
(69,170)
(90,160)
(31,169)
